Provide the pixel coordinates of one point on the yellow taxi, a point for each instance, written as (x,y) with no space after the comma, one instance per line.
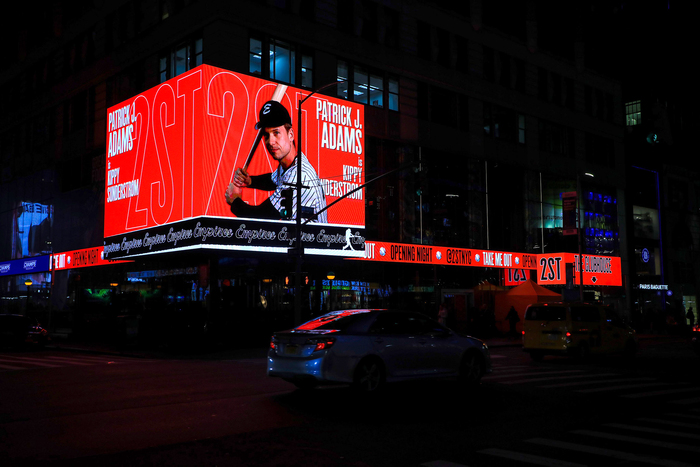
(575,329)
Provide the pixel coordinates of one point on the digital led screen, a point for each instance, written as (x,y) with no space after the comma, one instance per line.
(172,151)
(31,229)
(550,267)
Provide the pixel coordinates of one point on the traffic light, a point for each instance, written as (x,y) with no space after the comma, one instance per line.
(287,199)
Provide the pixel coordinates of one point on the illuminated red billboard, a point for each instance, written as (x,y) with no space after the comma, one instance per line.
(80,259)
(173,150)
(447,256)
(597,270)
(550,267)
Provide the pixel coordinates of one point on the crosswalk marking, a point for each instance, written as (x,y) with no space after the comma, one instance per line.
(559,378)
(523,457)
(694,400)
(17,362)
(636,440)
(32,361)
(662,393)
(72,361)
(598,381)
(624,386)
(620,455)
(685,415)
(669,422)
(440,463)
(655,431)
(10,367)
(535,373)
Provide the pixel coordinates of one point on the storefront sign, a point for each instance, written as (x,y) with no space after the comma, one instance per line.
(25,265)
(79,259)
(172,152)
(652,287)
(569,203)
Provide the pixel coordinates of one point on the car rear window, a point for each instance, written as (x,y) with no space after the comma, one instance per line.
(545,313)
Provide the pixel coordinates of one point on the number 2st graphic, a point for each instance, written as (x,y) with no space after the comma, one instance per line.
(550,269)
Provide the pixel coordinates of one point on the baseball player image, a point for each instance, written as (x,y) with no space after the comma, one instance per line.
(279,141)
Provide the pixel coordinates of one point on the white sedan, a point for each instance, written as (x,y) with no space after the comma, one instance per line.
(367,348)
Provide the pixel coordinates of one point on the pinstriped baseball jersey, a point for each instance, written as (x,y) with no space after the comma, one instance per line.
(310,197)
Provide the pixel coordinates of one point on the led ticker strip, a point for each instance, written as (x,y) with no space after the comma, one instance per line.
(550,267)
(441,255)
(80,259)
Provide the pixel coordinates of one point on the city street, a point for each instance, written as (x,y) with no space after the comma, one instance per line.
(60,407)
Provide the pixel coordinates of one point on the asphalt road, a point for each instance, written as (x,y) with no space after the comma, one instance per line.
(78,409)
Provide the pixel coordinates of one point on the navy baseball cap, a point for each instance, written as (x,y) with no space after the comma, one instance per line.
(272,114)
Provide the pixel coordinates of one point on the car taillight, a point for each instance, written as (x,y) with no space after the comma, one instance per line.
(321,343)
(273,345)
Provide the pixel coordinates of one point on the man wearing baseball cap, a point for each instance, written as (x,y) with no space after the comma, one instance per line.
(278,138)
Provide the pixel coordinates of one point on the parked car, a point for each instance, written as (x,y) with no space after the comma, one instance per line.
(18,330)
(368,348)
(575,329)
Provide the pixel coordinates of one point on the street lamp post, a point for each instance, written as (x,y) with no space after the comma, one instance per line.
(579,201)
(299,249)
(28,283)
(330,276)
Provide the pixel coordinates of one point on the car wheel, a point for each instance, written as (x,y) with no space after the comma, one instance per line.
(369,376)
(471,369)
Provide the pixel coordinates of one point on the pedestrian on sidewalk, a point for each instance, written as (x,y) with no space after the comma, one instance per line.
(512,318)
(442,314)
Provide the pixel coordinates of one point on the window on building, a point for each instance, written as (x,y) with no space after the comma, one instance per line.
(633,113)
(343,79)
(503,123)
(180,59)
(307,71)
(282,61)
(393,94)
(360,85)
(367,87)
(255,57)
(556,139)
(284,64)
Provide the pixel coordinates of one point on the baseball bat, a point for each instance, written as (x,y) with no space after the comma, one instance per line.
(276,96)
